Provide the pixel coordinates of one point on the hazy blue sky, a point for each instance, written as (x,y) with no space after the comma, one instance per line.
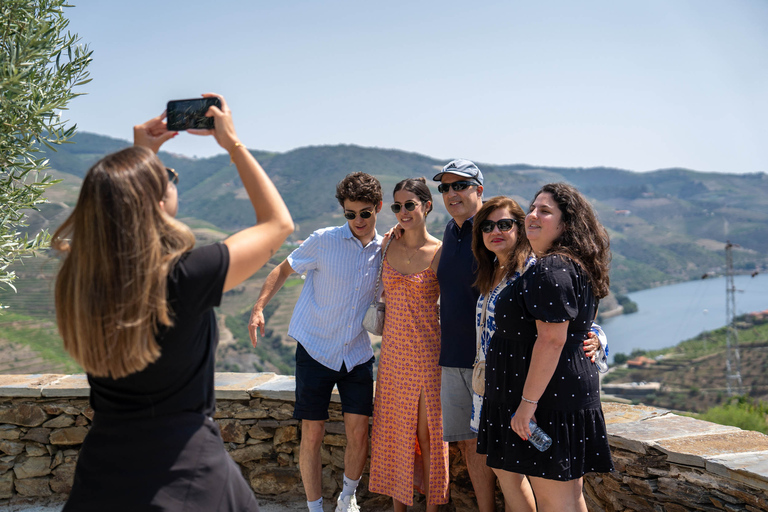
(640,85)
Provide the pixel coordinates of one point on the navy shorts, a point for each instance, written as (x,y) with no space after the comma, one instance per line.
(314,385)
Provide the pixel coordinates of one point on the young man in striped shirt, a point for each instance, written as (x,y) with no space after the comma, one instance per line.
(341,265)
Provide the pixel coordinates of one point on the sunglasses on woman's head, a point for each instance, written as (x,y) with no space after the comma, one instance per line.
(365,214)
(173,176)
(408,205)
(456,186)
(487,226)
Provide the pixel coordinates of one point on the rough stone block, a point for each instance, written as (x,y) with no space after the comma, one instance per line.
(9,432)
(335,440)
(39,435)
(272,480)
(283,412)
(36,450)
(335,427)
(6,485)
(284,459)
(284,448)
(60,421)
(35,487)
(337,458)
(68,436)
(63,477)
(32,467)
(24,415)
(252,452)
(641,486)
(232,431)
(285,434)
(11,447)
(257,432)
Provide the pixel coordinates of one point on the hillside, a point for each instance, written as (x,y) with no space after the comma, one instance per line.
(666,226)
(692,375)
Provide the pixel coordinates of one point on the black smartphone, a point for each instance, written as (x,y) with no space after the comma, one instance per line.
(186,114)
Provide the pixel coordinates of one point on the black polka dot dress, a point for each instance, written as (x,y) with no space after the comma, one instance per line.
(555,289)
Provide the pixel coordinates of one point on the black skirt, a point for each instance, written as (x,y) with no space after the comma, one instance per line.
(171,463)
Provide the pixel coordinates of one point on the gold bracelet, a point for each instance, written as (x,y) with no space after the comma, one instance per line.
(237,145)
(534,402)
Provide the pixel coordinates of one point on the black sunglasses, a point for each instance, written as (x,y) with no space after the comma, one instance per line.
(173,176)
(487,226)
(408,205)
(456,186)
(365,214)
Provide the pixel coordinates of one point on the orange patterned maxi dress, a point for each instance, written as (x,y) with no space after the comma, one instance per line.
(408,364)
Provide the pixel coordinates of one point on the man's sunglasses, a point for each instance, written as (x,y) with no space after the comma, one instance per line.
(365,214)
(173,176)
(408,205)
(457,186)
(487,226)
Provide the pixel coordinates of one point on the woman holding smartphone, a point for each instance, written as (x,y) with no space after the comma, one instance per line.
(134,305)
(536,367)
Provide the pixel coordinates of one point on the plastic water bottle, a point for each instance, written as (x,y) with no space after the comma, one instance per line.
(539,439)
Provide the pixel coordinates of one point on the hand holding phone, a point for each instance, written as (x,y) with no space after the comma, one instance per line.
(190,114)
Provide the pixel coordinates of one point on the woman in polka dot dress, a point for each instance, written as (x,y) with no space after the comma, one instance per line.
(407,447)
(536,368)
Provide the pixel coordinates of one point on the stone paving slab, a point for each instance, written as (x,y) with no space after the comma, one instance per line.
(26,385)
(235,386)
(696,450)
(750,469)
(280,387)
(68,386)
(636,436)
(615,412)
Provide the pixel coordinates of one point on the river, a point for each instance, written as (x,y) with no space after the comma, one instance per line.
(670,314)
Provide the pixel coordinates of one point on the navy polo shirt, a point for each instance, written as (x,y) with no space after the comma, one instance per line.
(458,298)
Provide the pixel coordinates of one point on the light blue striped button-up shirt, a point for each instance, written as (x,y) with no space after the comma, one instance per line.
(339,286)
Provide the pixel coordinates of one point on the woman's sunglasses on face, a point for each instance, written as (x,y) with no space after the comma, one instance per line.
(173,176)
(408,205)
(487,226)
(365,214)
(457,186)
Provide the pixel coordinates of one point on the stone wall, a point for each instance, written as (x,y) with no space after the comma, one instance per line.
(664,462)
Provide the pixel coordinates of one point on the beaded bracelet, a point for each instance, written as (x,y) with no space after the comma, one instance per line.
(534,402)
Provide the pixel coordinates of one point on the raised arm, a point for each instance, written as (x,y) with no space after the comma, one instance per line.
(252,247)
(275,280)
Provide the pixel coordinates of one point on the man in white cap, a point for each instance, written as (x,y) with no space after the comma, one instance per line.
(461,184)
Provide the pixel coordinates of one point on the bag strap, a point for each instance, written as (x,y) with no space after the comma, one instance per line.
(381,267)
(480,330)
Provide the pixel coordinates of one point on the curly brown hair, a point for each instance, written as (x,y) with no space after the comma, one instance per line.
(359,186)
(486,260)
(584,239)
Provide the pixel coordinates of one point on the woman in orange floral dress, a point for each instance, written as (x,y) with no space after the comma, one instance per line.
(407,447)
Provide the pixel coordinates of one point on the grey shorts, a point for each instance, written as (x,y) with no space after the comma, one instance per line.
(456,402)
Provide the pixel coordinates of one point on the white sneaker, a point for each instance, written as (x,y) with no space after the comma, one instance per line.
(348,504)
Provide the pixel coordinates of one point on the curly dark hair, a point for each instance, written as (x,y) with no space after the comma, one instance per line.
(584,239)
(359,186)
(417,187)
(486,260)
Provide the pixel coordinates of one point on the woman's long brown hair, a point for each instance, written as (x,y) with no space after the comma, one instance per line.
(584,238)
(118,246)
(486,259)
